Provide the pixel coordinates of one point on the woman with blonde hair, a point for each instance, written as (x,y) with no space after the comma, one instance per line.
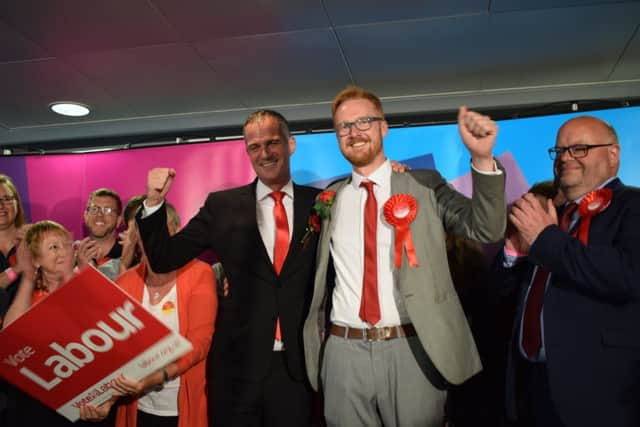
(47,258)
(46,255)
(11,232)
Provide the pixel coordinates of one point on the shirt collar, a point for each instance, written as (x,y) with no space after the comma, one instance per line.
(604,184)
(262,191)
(378,177)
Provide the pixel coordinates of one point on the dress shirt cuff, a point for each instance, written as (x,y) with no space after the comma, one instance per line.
(511,258)
(146,210)
(495,171)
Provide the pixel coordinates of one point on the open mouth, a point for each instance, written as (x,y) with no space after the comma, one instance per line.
(268,164)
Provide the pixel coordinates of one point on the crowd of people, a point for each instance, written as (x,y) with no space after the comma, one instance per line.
(368,303)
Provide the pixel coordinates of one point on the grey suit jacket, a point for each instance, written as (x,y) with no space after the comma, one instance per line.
(427,290)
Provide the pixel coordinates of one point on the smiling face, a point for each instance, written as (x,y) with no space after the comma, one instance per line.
(363,149)
(577,177)
(101,225)
(54,253)
(8,208)
(269,151)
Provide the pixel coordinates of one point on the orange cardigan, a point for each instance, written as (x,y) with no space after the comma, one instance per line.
(197,307)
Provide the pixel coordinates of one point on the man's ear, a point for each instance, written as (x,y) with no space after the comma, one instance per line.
(614,154)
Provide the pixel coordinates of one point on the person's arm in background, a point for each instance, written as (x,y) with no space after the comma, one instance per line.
(22,300)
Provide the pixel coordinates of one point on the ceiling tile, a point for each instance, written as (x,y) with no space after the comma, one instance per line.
(577,45)
(290,68)
(511,5)
(29,87)
(629,66)
(71,26)
(14,47)
(206,19)
(165,79)
(408,58)
(367,12)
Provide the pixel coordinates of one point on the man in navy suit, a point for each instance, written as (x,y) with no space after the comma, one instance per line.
(575,361)
(258,341)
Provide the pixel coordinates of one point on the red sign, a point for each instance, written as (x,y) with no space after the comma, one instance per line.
(66,349)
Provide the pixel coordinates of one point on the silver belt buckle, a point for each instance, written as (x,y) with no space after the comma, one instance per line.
(378,334)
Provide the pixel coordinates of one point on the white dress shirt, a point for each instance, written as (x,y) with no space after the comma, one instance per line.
(264,214)
(347,250)
(265,219)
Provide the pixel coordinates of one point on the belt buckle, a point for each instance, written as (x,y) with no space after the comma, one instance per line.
(379,334)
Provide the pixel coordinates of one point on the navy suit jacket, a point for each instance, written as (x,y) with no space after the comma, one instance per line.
(591,317)
(227,224)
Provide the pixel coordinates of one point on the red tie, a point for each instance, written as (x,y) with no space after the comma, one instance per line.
(531,334)
(281,247)
(369,304)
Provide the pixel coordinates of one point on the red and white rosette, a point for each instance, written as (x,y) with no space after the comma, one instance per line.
(592,204)
(400,211)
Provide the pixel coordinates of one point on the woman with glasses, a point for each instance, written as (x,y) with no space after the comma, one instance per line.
(11,220)
(11,232)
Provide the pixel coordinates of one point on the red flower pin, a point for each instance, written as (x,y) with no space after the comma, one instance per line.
(320,211)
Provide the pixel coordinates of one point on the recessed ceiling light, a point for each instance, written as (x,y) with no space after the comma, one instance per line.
(73,109)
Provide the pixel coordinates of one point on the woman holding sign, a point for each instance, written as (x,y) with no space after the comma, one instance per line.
(47,258)
(46,255)
(185,300)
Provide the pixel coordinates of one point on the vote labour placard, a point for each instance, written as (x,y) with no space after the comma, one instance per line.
(66,349)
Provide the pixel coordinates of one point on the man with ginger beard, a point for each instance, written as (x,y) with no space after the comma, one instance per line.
(258,341)
(102,217)
(574,357)
(398,335)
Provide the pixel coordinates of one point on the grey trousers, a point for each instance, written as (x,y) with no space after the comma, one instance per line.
(375,383)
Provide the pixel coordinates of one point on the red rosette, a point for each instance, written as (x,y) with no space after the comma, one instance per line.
(168,307)
(592,204)
(400,211)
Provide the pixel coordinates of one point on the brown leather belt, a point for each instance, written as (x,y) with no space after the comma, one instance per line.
(374,334)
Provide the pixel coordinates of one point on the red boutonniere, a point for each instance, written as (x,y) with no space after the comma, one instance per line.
(400,211)
(591,205)
(320,211)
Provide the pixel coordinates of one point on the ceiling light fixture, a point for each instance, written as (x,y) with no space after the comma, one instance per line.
(73,109)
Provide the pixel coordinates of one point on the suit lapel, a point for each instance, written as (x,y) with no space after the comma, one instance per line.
(398,183)
(328,225)
(249,204)
(301,209)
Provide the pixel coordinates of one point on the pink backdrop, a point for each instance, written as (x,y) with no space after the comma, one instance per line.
(56,181)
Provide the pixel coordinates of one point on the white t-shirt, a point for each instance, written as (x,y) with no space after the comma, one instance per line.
(164,402)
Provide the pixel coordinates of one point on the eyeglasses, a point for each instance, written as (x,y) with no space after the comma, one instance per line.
(7,200)
(362,124)
(105,210)
(575,151)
